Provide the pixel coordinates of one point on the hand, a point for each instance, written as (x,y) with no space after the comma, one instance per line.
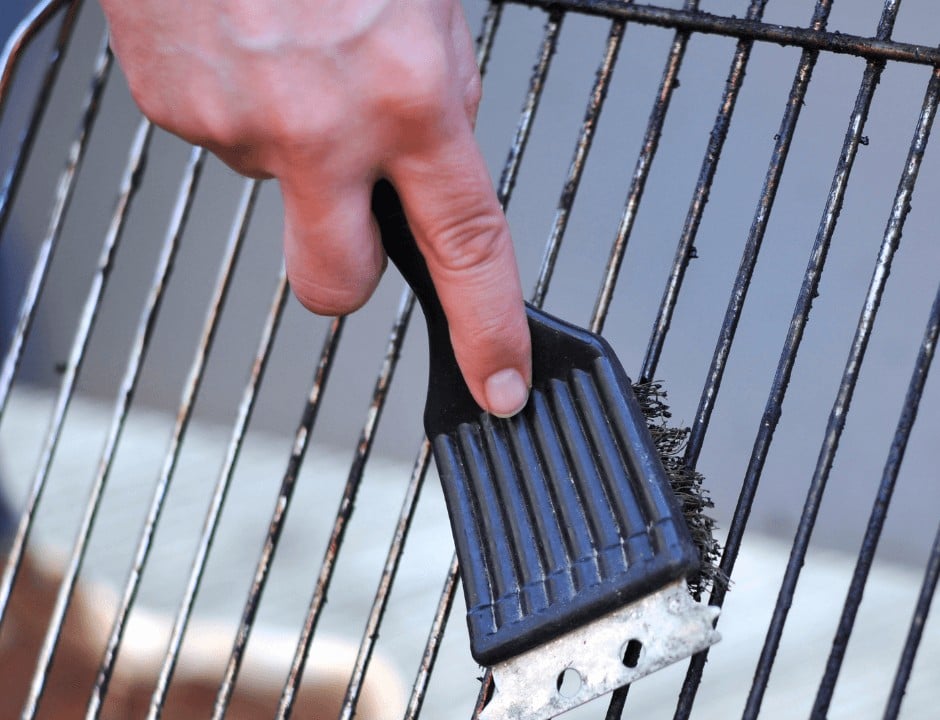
(328,96)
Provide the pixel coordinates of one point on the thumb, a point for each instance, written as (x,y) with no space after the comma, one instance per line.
(461,231)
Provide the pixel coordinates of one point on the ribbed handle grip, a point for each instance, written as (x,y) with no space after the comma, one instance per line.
(560,514)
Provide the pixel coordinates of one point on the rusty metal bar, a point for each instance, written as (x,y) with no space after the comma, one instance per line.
(879,512)
(191,390)
(576,168)
(755,237)
(435,635)
(11,57)
(654,130)
(812,38)
(510,172)
(654,127)
(389,571)
(130,183)
(843,401)
(345,510)
(276,526)
(204,546)
(487,687)
(915,632)
(145,328)
(484,41)
(693,219)
(63,198)
(800,318)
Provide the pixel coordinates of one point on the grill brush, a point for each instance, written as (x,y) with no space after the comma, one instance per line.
(575,551)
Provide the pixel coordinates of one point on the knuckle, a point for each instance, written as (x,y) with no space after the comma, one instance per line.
(421,81)
(426,71)
(467,243)
(198,120)
(292,126)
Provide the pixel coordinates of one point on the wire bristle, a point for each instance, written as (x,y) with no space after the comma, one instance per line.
(687,485)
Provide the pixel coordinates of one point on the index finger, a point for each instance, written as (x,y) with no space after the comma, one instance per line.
(461,231)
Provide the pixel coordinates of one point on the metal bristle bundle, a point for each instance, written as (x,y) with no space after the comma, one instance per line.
(687,484)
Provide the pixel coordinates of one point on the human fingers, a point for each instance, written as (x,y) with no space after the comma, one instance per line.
(332,251)
(463,235)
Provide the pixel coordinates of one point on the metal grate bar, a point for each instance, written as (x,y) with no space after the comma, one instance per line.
(916,631)
(486,692)
(879,512)
(755,237)
(145,330)
(686,245)
(484,41)
(240,428)
(576,169)
(812,38)
(191,390)
(843,400)
(63,198)
(654,129)
(19,39)
(276,526)
(507,180)
(436,633)
(11,56)
(347,503)
(396,548)
(389,571)
(800,318)
(129,186)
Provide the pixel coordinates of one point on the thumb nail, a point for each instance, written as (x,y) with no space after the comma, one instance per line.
(506,392)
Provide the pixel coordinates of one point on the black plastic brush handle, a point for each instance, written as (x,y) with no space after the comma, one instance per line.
(402,250)
(448,395)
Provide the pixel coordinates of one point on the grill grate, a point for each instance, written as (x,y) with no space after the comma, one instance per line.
(60,18)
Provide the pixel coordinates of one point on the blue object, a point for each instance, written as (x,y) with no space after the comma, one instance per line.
(13,13)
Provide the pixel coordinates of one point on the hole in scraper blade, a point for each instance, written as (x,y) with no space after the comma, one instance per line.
(568,682)
(631,654)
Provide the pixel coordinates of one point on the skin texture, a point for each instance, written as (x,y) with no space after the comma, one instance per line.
(328,96)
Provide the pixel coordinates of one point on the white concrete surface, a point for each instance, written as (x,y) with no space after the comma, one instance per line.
(866,677)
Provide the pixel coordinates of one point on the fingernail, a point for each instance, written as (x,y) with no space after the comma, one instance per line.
(506,392)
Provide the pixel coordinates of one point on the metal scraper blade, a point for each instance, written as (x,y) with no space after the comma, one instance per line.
(617,649)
